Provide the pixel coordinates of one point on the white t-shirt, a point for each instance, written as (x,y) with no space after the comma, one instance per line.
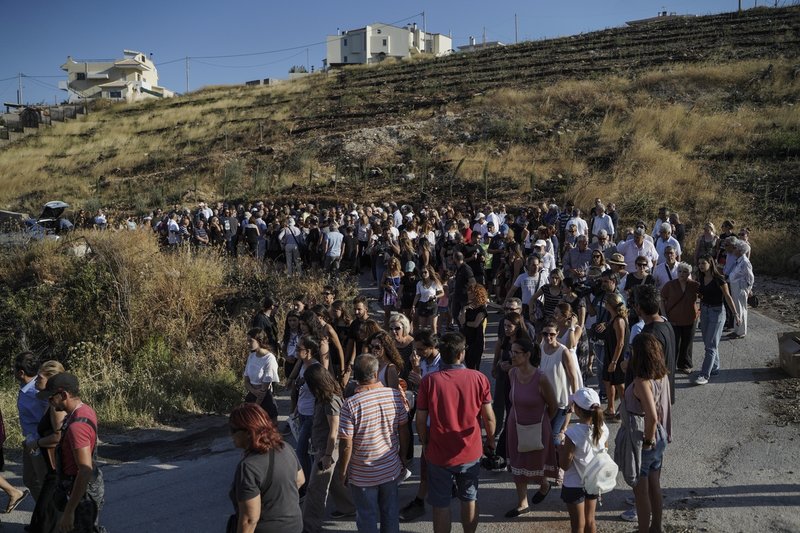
(663,274)
(581,436)
(427,294)
(529,285)
(261,369)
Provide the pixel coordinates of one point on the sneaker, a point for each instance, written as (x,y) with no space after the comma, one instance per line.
(630,500)
(701,380)
(630,515)
(339,514)
(412,511)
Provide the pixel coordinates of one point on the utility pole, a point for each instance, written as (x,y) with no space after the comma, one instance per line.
(484,35)
(19,88)
(308,63)
(424,25)
(516,29)
(424,35)
(187,74)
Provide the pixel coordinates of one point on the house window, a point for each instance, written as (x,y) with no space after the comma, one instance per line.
(115,94)
(345,59)
(80,76)
(378,31)
(384,42)
(344,42)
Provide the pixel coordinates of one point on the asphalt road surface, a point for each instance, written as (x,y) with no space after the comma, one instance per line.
(729,468)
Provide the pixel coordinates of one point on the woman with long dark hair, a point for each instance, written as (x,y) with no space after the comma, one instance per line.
(533,401)
(265,485)
(648,397)
(303,400)
(260,372)
(324,429)
(713,293)
(616,334)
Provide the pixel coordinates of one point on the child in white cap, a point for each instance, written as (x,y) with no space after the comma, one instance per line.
(582,441)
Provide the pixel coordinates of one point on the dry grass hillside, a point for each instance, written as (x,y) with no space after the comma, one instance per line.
(699,114)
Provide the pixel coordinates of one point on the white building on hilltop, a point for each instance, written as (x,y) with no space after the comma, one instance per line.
(376,42)
(132,78)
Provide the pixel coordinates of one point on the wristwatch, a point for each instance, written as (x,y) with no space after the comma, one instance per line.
(648,443)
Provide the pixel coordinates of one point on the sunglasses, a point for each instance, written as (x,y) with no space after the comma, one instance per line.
(396,328)
(595,255)
(641,264)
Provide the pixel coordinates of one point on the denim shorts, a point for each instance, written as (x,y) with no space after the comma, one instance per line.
(440,483)
(575,495)
(651,459)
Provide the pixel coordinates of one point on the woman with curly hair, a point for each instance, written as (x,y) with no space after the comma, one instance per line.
(265,485)
(473,324)
(382,346)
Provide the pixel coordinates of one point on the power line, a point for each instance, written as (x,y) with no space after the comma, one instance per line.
(249,66)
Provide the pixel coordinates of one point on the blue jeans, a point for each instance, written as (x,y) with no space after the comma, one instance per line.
(712,320)
(374,504)
(556,423)
(302,444)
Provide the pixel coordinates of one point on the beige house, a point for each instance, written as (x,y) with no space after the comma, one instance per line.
(132,78)
(376,42)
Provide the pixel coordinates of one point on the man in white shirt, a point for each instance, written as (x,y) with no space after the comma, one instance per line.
(174,230)
(667,270)
(638,247)
(333,248)
(529,282)
(663,216)
(665,239)
(583,227)
(601,222)
(548,259)
(479,226)
(493,217)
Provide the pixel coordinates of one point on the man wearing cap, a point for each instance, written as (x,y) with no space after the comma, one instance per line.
(548,259)
(638,247)
(80,481)
(479,226)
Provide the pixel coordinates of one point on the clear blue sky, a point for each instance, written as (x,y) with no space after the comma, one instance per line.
(36,40)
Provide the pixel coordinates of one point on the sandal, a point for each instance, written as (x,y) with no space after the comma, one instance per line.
(13,504)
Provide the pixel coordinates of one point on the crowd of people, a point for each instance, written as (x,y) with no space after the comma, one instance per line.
(595,321)
(596,318)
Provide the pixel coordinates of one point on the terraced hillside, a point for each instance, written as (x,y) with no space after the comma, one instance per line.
(691,112)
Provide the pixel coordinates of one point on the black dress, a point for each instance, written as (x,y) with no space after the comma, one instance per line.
(474,337)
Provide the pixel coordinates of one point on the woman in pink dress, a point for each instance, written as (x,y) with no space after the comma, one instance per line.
(533,401)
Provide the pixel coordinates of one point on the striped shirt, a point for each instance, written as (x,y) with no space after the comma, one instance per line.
(371,419)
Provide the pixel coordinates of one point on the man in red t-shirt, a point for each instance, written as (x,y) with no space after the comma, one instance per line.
(452,444)
(78,475)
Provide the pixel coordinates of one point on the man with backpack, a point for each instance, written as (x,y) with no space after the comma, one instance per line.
(80,490)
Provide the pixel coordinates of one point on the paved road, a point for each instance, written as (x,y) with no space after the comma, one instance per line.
(729,468)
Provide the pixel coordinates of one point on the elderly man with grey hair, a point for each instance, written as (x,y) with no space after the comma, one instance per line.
(741,281)
(678,304)
(601,221)
(372,448)
(665,239)
(578,259)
